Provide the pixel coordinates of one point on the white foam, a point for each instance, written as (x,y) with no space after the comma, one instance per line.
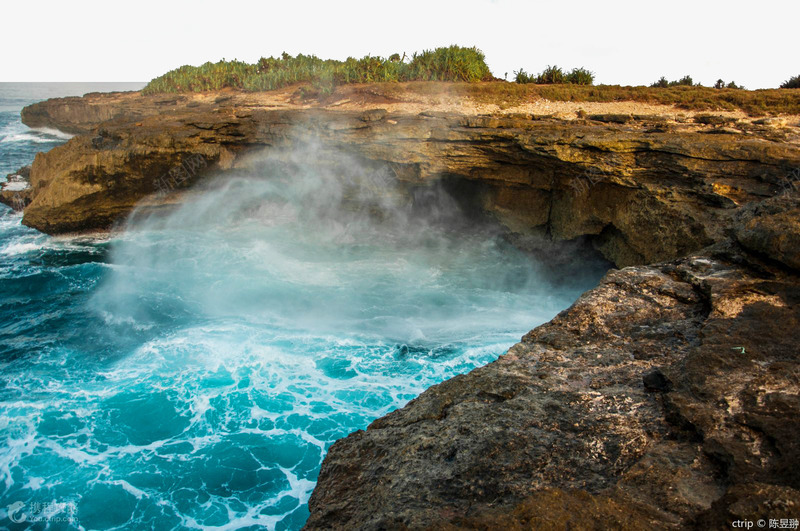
(61,135)
(25,137)
(15,450)
(39,135)
(34,483)
(285,335)
(17,248)
(300,488)
(16,186)
(127,487)
(251,519)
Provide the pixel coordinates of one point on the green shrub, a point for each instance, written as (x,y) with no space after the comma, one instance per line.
(720,84)
(685,81)
(553,75)
(661,83)
(793,82)
(522,76)
(580,76)
(454,63)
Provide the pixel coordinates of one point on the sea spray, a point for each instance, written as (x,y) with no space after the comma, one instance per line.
(230,341)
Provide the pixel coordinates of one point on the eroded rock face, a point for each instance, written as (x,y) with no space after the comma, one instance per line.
(666,397)
(82,115)
(642,192)
(772,229)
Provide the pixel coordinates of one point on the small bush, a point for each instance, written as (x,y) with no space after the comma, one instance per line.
(580,76)
(793,82)
(661,83)
(553,75)
(521,76)
(720,84)
(685,81)
(453,63)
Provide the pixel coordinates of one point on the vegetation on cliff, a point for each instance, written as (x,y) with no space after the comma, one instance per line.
(695,98)
(793,82)
(753,102)
(553,75)
(454,63)
(685,81)
(320,77)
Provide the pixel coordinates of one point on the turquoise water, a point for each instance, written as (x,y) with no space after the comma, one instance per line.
(192,371)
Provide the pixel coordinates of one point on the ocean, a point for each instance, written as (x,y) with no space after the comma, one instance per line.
(191,371)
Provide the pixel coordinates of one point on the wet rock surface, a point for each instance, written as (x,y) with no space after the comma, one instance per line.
(667,397)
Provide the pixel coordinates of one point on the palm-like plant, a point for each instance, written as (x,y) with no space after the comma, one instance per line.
(454,63)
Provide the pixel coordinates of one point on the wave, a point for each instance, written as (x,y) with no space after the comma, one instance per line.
(27,137)
(61,135)
(230,342)
(15,186)
(16,248)
(19,133)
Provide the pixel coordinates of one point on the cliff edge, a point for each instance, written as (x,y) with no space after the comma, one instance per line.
(641,187)
(666,397)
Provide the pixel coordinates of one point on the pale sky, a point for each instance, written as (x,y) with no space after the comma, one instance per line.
(623,42)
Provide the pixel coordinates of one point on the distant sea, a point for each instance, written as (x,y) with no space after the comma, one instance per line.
(191,372)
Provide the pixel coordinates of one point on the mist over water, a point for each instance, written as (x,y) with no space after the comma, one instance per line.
(326,249)
(193,371)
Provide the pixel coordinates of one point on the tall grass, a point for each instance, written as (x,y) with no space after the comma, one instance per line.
(454,63)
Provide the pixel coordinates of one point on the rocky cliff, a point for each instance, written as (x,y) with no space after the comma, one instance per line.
(642,188)
(666,397)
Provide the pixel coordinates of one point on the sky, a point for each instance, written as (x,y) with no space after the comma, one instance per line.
(622,42)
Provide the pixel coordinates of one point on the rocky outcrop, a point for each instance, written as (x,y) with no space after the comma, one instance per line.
(667,397)
(81,115)
(642,191)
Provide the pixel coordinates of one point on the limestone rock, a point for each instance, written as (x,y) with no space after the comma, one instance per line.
(639,195)
(565,418)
